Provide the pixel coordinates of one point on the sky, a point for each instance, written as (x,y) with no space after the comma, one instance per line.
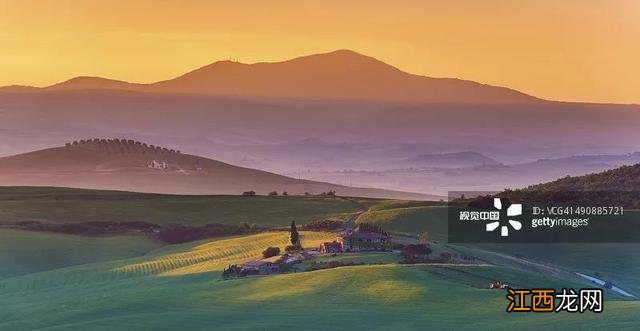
(561,50)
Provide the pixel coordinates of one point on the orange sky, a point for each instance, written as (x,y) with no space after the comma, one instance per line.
(563,50)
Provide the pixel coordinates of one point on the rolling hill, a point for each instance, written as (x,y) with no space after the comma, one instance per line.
(70,205)
(339,75)
(133,166)
(179,287)
(23,252)
(625,178)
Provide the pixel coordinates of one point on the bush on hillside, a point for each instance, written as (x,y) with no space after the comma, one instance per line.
(270,251)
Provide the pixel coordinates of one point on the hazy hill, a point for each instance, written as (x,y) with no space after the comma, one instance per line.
(134,166)
(339,75)
(93,83)
(451,160)
(311,129)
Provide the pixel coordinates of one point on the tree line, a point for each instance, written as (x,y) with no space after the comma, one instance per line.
(122,146)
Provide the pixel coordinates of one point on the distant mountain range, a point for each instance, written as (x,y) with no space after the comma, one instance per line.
(451,160)
(133,166)
(331,112)
(486,177)
(339,75)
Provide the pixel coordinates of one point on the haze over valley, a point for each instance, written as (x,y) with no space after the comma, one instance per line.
(339,117)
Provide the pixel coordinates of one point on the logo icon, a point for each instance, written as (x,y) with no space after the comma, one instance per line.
(515,209)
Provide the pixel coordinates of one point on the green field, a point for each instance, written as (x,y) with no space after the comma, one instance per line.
(410,220)
(24,252)
(62,205)
(618,263)
(372,297)
(54,281)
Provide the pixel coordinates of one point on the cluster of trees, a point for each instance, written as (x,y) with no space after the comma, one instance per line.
(421,253)
(275,193)
(616,187)
(233,271)
(415,253)
(121,146)
(324,225)
(96,228)
(371,228)
(626,199)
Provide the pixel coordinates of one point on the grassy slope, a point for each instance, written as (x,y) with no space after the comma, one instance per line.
(72,205)
(177,287)
(618,263)
(184,259)
(23,252)
(371,297)
(214,255)
(412,219)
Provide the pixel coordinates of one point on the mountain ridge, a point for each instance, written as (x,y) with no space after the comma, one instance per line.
(337,75)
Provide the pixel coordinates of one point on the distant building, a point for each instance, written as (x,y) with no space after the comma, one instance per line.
(260,267)
(331,247)
(302,256)
(158,165)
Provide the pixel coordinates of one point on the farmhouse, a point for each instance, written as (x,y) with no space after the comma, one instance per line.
(158,165)
(302,256)
(260,268)
(331,247)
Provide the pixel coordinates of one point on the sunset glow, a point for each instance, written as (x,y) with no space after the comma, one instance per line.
(562,50)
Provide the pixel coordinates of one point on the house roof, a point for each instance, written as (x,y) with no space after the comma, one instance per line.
(272,259)
(255,264)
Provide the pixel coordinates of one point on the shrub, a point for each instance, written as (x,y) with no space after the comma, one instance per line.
(415,253)
(271,251)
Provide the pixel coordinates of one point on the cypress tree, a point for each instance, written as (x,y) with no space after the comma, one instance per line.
(295,237)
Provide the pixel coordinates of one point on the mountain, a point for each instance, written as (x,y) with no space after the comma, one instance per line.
(133,166)
(18,89)
(304,134)
(338,75)
(94,83)
(451,160)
